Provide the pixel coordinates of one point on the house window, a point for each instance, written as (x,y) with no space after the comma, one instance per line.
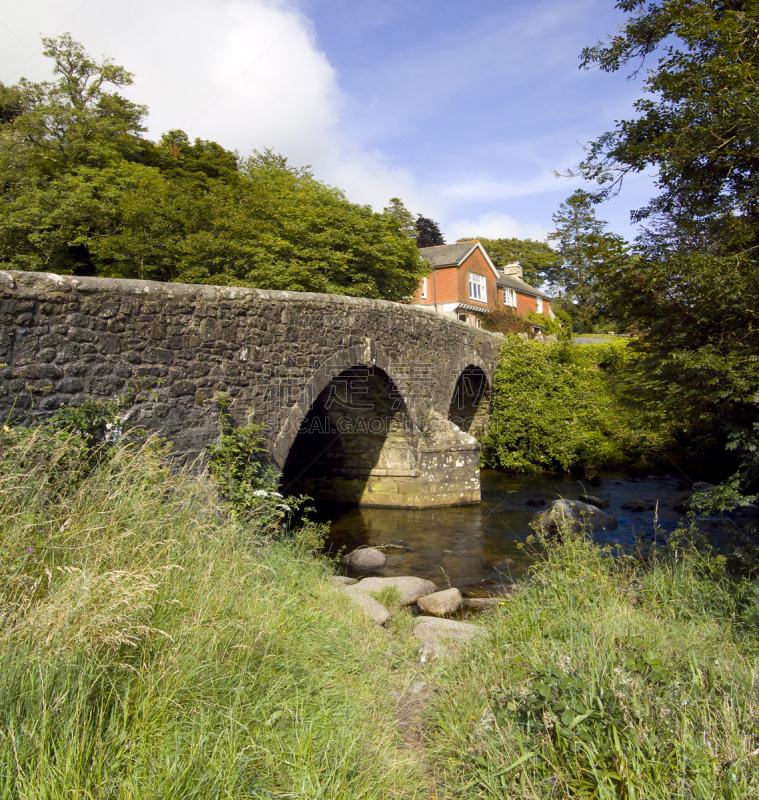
(463,318)
(539,305)
(509,297)
(423,292)
(477,287)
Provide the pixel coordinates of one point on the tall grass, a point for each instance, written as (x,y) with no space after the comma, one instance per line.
(609,678)
(152,646)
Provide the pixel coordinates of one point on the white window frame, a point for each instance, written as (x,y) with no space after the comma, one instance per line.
(478,287)
(423,290)
(510,297)
(539,305)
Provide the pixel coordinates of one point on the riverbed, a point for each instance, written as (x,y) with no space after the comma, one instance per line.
(481,548)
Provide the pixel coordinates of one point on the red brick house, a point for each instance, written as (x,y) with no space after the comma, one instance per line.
(465,284)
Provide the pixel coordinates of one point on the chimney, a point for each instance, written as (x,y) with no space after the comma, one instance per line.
(514,269)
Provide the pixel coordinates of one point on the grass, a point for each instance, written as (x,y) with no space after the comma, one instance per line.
(154,646)
(151,646)
(608,678)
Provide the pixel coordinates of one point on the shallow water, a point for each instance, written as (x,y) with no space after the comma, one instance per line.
(477,548)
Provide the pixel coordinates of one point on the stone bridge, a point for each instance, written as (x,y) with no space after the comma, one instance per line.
(360,401)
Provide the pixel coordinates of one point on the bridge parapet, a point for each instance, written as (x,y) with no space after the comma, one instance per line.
(273,354)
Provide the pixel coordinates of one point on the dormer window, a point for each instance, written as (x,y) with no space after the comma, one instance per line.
(477,288)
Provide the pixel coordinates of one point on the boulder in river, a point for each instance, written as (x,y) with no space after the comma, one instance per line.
(365,558)
(574,515)
(482,603)
(409,588)
(442,629)
(639,504)
(440,604)
(592,500)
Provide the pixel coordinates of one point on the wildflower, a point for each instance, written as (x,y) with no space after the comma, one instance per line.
(260,493)
(29,549)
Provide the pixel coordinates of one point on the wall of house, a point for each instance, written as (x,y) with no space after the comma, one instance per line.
(443,285)
(476,263)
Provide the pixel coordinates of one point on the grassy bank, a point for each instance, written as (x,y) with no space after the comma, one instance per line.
(562,407)
(609,678)
(154,646)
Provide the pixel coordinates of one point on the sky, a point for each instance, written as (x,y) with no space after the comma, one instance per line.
(465,109)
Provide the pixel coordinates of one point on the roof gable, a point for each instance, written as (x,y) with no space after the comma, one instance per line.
(454,255)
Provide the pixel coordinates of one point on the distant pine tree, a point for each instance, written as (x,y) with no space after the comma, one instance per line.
(428,232)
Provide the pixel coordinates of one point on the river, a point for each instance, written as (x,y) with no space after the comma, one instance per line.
(479,548)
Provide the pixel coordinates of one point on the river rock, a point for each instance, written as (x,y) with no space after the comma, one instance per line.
(410,588)
(594,480)
(535,502)
(575,515)
(592,500)
(440,604)
(482,603)
(365,558)
(441,629)
(639,504)
(343,580)
(374,610)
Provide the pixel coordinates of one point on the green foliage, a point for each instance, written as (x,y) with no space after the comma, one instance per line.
(556,407)
(84,193)
(607,677)
(583,247)
(238,463)
(402,216)
(691,290)
(505,321)
(428,232)
(552,327)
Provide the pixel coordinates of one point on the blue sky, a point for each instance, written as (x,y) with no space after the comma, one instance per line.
(462,109)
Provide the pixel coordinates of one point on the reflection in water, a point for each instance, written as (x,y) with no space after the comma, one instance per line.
(479,547)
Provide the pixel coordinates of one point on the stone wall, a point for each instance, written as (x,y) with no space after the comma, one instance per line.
(272,353)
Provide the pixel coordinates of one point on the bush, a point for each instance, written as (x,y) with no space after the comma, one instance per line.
(505,321)
(555,407)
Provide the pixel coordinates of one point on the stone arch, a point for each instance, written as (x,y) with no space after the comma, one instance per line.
(366,355)
(356,443)
(469,407)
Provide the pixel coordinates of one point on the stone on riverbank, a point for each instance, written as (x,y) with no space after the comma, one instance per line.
(574,515)
(342,580)
(440,604)
(365,558)
(438,629)
(409,588)
(482,603)
(374,610)
(431,650)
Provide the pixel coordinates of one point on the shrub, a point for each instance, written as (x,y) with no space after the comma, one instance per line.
(505,321)
(555,407)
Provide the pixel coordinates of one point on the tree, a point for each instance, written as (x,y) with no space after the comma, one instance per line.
(692,289)
(583,246)
(405,219)
(428,232)
(83,192)
(537,259)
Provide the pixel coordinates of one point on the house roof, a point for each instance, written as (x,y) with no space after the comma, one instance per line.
(512,282)
(453,255)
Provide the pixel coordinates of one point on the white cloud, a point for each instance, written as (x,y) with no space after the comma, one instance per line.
(245,73)
(493,225)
